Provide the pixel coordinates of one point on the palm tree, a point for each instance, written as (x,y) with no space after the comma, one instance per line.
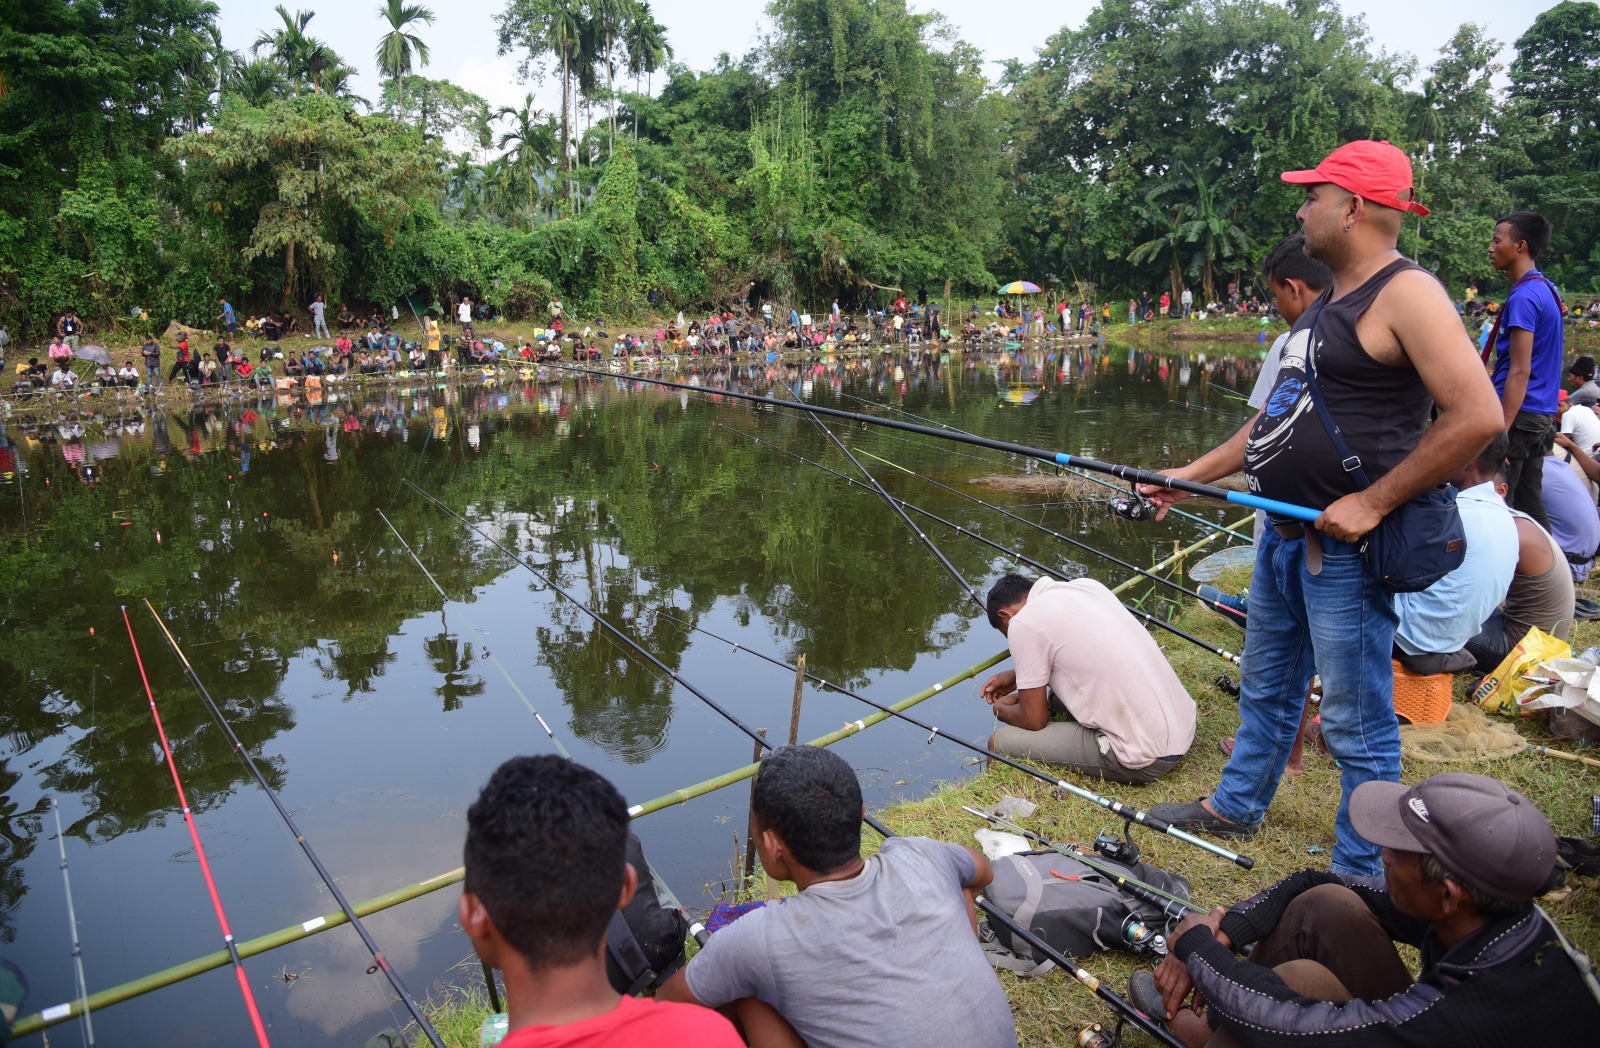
(648,49)
(530,140)
(304,58)
(395,47)
(565,32)
(336,82)
(257,82)
(1218,236)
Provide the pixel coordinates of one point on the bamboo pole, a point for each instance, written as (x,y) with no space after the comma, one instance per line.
(1226,529)
(1563,755)
(750,822)
(294,933)
(799,692)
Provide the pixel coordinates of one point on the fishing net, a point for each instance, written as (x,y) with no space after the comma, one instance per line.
(1466,735)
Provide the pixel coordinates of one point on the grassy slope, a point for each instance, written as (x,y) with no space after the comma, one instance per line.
(1053,1009)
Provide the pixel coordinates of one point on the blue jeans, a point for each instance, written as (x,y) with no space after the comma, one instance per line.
(1340,624)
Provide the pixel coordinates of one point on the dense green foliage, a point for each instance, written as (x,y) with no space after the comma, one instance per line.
(147,165)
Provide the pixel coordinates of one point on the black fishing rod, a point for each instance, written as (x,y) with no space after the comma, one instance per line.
(1014,554)
(1068,539)
(378,957)
(1174,510)
(1131,474)
(1124,1009)
(1175,907)
(977,598)
(599,619)
(1130,815)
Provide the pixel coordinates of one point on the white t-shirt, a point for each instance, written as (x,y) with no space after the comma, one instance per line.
(1104,667)
(464,312)
(1269,373)
(1583,426)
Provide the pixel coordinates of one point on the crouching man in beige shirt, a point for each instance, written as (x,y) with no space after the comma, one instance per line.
(1077,652)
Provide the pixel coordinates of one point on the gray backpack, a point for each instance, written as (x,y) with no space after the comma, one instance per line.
(1077,910)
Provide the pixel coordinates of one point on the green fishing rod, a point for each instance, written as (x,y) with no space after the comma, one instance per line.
(1131,474)
(1121,1006)
(1174,510)
(1123,811)
(1021,558)
(1068,539)
(1173,906)
(379,959)
(696,929)
(598,619)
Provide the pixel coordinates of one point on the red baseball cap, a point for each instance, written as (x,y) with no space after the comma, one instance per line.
(1375,171)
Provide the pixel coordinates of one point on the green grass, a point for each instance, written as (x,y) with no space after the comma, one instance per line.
(1298,834)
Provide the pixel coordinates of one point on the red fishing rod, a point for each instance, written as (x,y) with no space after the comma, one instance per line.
(199,850)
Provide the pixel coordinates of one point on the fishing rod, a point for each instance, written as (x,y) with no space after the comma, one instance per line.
(1124,1009)
(596,616)
(1091,478)
(1172,906)
(199,849)
(1021,558)
(378,957)
(72,923)
(1078,543)
(696,928)
(1131,474)
(1129,815)
(977,598)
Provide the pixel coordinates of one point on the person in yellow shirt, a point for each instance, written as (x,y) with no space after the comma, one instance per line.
(432,327)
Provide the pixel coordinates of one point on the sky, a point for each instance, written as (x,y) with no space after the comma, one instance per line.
(463,43)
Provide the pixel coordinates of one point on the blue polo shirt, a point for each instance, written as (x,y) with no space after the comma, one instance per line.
(1532,306)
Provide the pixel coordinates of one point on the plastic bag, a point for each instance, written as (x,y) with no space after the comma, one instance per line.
(1500,690)
(1573,685)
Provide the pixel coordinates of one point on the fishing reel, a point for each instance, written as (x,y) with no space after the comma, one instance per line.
(1133,507)
(1142,938)
(1116,849)
(1094,1036)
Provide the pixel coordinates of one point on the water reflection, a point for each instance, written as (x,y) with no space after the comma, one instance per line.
(251,524)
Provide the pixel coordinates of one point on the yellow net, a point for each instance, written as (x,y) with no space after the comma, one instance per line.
(1466,735)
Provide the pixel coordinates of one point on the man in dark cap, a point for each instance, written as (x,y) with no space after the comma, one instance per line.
(1464,857)
(1585,390)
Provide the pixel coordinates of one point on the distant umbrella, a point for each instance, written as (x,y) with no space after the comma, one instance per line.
(97,354)
(1020,287)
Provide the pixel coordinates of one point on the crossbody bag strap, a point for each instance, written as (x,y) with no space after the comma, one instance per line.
(1348,459)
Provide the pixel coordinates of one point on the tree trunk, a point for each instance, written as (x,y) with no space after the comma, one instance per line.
(400,92)
(566,128)
(288,275)
(611,100)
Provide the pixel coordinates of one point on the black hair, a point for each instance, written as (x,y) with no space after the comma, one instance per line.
(1007,590)
(1531,228)
(1488,906)
(1289,261)
(811,798)
(1583,367)
(1494,455)
(545,853)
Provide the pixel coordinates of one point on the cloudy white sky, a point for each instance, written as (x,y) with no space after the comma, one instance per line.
(462,37)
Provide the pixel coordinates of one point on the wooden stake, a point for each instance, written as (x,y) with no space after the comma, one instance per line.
(750,834)
(1564,755)
(799,691)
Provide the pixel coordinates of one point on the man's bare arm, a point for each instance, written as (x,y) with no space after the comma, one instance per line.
(1418,315)
(1224,460)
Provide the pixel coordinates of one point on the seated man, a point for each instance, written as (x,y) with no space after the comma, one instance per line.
(127,376)
(62,378)
(546,868)
(1585,390)
(802,966)
(1130,718)
(1573,519)
(1436,623)
(1464,858)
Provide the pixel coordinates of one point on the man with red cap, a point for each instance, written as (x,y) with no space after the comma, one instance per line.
(1384,345)
(1464,857)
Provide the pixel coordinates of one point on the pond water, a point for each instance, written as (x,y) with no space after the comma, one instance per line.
(253,527)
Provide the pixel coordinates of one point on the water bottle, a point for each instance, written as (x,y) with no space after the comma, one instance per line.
(1590,655)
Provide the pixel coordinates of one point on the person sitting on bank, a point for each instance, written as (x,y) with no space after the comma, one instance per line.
(1573,520)
(1463,859)
(1077,651)
(546,868)
(1584,388)
(799,969)
(1435,624)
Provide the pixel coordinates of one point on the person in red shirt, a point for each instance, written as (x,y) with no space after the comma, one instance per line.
(546,867)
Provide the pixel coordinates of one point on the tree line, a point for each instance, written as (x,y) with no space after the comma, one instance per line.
(150,167)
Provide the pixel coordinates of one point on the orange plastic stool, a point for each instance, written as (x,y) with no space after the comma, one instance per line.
(1421,699)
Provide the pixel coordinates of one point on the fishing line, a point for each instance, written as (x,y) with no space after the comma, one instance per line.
(977,598)
(1078,543)
(1125,1010)
(1021,558)
(199,850)
(599,620)
(72,924)
(378,956)
(1123,811)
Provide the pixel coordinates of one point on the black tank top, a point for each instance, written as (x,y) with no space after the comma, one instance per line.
(1381,409)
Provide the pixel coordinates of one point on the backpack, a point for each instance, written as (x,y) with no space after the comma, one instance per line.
(644,941)
(1077,910)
